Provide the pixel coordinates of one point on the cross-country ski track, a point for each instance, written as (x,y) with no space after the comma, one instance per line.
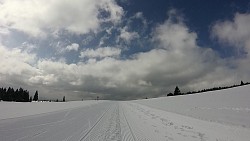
(143,120)
(115,121)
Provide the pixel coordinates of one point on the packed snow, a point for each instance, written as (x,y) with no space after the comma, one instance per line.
(19,109)
(212,116)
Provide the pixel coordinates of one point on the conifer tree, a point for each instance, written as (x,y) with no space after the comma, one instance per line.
(177,91)
(26,96)
(36,96)
(241,83)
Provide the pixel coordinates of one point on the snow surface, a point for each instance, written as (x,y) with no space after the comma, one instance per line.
(19,109)
(229,106)
(213,116)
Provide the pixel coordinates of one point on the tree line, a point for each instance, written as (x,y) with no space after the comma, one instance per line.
(178,92)
(18,95)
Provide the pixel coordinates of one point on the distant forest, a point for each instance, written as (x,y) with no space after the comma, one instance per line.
(18,95)
(178,92)
(21,95)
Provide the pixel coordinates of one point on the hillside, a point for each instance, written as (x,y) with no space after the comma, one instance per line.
(229,106)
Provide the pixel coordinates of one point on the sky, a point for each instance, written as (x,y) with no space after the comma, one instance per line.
(123,49)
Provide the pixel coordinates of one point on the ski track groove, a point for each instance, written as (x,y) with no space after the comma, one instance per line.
(32,136)
(131,131)
(38,133)
(113,131)
(33,131)
(96,123)
(109,129)
(139,134)
(44,124)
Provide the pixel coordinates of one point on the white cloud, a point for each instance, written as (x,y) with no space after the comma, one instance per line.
(139,15)
(72,47)
(28,47)
(16,54)
(127,36)
(16,65)
(175,60)
(37,17)
(87,39)
(62,47)
(144,83)
(101,52)
(43,79)
(182,61)
(235,32)
(175,37)
(4,31)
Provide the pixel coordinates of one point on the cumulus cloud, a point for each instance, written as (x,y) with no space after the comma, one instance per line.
(175,58)
(4,31)
(43,79)
(127,36)
(72,47)
(133,32)
(139,15)
(28,47)
(62,47)
(128,33)
(236,33)
(101,52)
(38,17)
(16,65)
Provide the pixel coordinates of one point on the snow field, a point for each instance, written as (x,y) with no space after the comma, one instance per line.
(158,125)
(20,109)
(229,106)
(214,116)
(67,125)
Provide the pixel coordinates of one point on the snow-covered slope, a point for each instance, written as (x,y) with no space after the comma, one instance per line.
(149,124)
(230,106)
(214,116)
